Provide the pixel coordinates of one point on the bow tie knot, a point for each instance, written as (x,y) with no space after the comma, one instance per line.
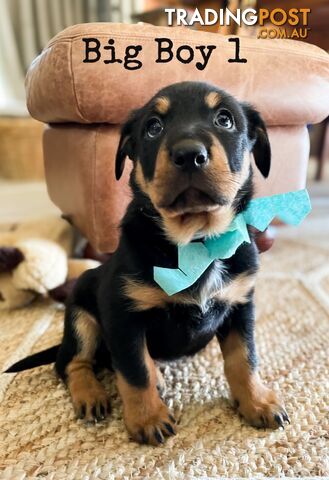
(195,258)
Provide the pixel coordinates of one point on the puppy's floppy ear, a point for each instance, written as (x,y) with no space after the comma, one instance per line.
(259,142)
(127,144)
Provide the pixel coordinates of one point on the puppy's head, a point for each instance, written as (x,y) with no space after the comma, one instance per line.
(191,146)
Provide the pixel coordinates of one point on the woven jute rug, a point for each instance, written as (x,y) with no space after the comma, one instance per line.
(40,437)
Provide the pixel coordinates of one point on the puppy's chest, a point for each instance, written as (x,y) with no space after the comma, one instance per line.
(210,288)
(218,286)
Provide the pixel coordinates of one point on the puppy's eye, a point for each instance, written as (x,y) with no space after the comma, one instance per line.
(154,127)
(224,119)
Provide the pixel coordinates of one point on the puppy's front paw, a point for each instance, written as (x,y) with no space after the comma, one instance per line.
(263,409)
(150,426)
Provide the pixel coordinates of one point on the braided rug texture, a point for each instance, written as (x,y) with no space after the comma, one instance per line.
(40,438)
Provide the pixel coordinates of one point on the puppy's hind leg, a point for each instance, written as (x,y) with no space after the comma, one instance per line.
(258,404)
(75,365)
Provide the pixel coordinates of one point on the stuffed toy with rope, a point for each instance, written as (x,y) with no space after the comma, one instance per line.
(35,260)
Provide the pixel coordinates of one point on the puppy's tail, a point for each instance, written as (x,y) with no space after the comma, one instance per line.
(41,358)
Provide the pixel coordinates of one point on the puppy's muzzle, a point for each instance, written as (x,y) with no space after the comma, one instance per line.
(189,156)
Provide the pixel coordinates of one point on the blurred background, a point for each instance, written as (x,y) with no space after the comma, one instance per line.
(26,26)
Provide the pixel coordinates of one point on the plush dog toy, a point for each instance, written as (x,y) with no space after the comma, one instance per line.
(34,260)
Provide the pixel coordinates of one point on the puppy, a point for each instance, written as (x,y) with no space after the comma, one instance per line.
(190,146)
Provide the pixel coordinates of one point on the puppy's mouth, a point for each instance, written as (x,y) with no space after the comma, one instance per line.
(192,201)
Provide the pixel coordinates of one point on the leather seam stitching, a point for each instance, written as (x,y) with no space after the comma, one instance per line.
(74,87)
(94,223)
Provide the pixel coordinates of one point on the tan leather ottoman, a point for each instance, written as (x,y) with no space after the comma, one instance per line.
(288,82)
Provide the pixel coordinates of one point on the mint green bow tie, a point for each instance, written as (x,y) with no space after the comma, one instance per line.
(195,258)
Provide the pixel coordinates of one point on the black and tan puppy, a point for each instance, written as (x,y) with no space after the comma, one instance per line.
(190,146)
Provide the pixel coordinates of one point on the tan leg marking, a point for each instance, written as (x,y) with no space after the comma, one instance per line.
(88,395)
(146,417)
(256,403)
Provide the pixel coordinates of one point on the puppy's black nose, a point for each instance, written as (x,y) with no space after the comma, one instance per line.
(189,155)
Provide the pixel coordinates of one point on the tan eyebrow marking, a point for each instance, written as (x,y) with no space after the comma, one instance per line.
(212,99)
(162,105)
